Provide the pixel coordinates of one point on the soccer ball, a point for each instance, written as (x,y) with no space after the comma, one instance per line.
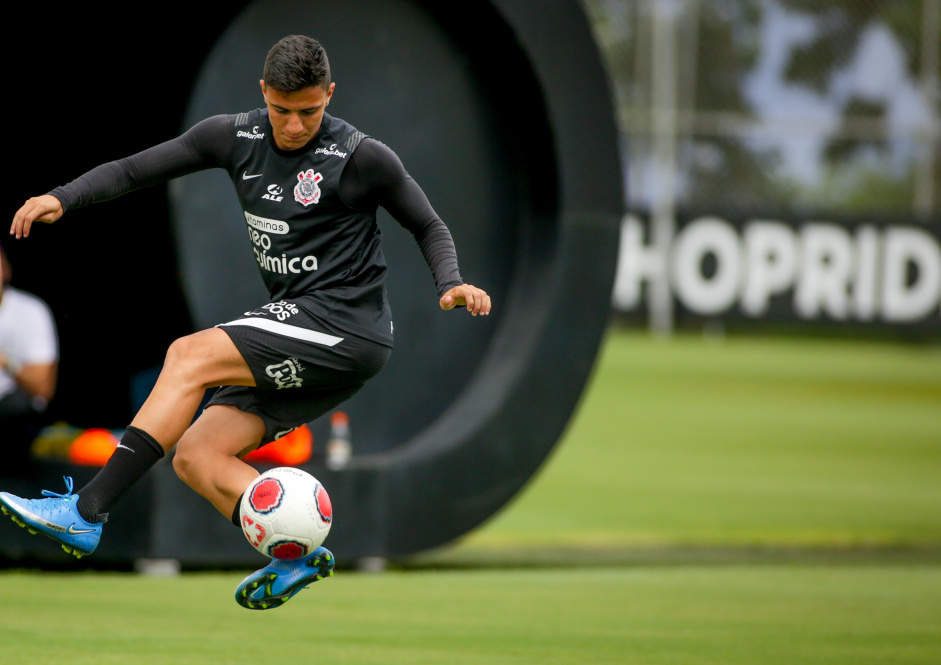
(285,513)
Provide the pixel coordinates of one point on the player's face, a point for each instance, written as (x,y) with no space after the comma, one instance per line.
(296,116)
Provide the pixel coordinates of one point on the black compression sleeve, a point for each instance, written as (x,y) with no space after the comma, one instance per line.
(375,177)
(203,146)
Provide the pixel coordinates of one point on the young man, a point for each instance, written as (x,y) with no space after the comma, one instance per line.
(325,332)
(29,355)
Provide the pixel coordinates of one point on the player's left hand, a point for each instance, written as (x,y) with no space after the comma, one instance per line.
(476,300)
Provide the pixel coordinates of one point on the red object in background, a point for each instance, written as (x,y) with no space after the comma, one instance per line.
(290,450)
(93,447)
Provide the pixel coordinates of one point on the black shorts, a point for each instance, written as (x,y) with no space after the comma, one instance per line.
(302,366)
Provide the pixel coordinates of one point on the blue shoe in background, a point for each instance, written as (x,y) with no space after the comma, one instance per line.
(273,585)
(56,517)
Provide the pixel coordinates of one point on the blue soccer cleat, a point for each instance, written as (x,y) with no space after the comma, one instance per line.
(56,517)
(273,585)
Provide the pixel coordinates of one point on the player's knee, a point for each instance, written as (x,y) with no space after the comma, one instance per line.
(202,360)
(184,358)
(181,353)
(175,360)
(184,462)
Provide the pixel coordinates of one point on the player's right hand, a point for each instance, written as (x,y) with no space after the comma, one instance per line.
(45,208)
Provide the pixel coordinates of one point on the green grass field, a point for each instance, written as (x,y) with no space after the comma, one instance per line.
(745,442)
(750,501)
(745,615)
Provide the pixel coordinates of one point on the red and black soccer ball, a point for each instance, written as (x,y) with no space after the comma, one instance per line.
(286,513)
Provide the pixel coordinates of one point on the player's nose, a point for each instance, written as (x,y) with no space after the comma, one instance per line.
(295,126)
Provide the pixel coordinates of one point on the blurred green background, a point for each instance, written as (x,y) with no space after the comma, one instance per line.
(737,441)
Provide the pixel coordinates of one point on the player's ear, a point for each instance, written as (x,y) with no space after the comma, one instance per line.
(264,90)
(330,91)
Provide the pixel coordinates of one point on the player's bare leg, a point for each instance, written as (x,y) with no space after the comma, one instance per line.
(206,359)
(207,459)
(207,456)
(194,363)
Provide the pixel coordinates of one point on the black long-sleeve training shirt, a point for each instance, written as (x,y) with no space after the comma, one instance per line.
(310,213)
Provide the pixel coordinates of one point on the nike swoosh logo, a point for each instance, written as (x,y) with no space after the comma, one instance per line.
(77,532)
(121,445)
(245,175)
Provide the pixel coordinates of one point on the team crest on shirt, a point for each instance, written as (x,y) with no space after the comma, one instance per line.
(306,190)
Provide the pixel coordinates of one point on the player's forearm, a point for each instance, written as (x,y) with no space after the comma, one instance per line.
(376,177)
(100,184)
(203,146)
(38,380)
(437,247)
(149,167)
(407,203)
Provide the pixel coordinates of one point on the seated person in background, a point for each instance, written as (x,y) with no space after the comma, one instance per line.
(29,354)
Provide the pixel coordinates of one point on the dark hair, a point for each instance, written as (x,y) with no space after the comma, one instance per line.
(297,62)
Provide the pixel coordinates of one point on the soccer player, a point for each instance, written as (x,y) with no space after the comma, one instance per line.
(326,330)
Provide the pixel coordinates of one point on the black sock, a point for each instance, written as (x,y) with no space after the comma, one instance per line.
(137,452)
(236,517)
